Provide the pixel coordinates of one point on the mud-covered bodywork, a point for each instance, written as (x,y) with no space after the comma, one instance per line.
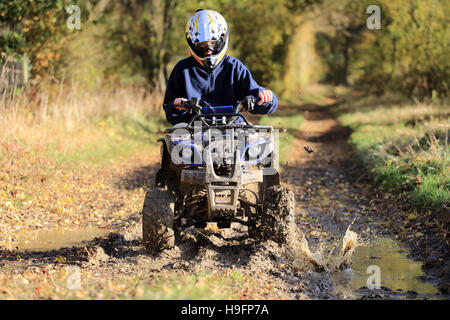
(222,166)
(218,169)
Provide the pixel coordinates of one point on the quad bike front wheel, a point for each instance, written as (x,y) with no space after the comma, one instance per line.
(157,221)
(276,219)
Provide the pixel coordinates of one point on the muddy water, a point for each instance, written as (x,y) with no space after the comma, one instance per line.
(398,274)
(52,239)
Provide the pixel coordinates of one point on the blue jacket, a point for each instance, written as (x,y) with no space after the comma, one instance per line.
(229,82)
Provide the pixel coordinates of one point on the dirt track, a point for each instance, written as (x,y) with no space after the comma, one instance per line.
(330,193)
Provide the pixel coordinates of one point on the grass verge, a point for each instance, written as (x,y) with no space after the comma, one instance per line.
(405,145)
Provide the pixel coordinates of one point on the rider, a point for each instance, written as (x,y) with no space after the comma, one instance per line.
(209,74)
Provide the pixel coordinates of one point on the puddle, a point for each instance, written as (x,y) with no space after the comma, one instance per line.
(398,274)
(52,239)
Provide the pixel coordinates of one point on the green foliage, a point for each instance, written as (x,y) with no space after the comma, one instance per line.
(138,31)
(259,40)
(34,27)
(408,54)
(261,33)
(345,23)
(419,46)
(139,41)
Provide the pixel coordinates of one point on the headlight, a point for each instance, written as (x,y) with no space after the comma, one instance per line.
(253,152)
(186,154)
(253,138)
(257,152)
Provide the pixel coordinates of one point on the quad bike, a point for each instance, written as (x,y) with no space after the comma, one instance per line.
(217,168)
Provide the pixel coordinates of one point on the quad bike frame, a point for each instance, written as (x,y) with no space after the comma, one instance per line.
(233,189)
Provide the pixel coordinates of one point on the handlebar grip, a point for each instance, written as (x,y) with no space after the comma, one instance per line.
(249,102)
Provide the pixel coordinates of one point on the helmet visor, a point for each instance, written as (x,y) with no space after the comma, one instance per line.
(206,48)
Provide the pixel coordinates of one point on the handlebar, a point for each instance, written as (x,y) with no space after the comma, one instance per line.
(195,105)
(200,109)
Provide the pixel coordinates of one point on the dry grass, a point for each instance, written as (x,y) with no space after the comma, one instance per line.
(34,112)
(58,141)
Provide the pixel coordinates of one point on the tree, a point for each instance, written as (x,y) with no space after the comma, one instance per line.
(139,31)
(35,28)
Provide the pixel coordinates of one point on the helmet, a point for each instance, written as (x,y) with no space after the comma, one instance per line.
(207,29)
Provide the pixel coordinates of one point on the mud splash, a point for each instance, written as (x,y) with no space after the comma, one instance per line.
(53,239)
(352,269)
(321,260)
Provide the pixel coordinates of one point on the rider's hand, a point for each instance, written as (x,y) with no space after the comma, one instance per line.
(265,96)
(179,103)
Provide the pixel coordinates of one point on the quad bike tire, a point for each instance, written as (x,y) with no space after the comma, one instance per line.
(276,219)
(157,221)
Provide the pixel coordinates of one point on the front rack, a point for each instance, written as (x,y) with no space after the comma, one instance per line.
(216,115)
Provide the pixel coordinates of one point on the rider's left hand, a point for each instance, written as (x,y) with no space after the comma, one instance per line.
(265,96)
(179,104)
